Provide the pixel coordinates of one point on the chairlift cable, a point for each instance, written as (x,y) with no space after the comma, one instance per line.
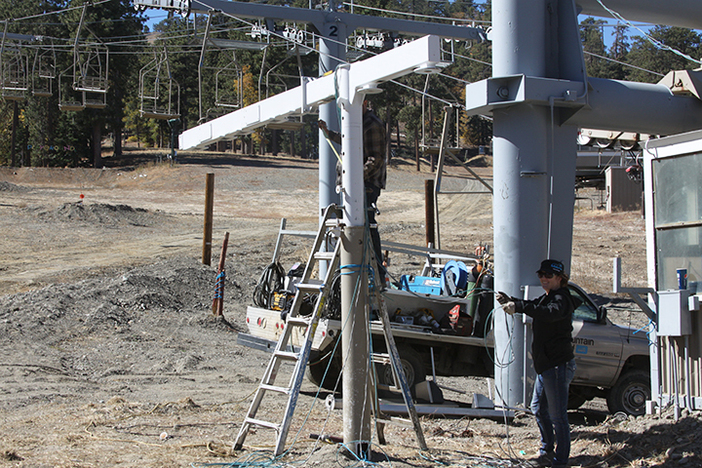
(473,59)
(656,43)
(201,63)
(415,15)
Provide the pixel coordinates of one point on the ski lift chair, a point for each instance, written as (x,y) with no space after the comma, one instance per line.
(95,100)
(43,72)
(229,85)
(91,68)
(14,66)
(69,98)
(293,123)
(228,78)
(159,93)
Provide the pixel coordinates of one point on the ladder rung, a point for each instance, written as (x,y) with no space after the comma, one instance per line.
(390,388)
(287,355)
(380,358)
(297,321)
(260,422)
(308,287)
(396,421)
(324,255)
(275,388)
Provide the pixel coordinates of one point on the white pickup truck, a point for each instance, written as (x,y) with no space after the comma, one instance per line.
(613,361)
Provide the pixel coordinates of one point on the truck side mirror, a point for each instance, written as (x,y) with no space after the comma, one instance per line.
(601,314)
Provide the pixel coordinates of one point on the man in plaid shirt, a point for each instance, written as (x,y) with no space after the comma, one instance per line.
(374,173)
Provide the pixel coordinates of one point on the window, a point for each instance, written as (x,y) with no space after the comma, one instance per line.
(678,218)
(586,311)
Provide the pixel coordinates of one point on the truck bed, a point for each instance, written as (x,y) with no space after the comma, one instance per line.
(267,325)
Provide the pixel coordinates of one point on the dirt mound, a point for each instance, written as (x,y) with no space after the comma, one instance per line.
(10,187)
(99,213)
(108,326)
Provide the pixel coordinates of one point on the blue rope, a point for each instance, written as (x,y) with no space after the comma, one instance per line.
(648,327)
(219,284)
(350,267)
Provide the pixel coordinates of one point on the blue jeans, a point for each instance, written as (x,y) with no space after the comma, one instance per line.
(550,406)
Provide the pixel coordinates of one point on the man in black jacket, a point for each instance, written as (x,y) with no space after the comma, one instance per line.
(554,362)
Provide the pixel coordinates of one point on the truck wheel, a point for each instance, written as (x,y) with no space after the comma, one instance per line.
(415,371)
(630,393)
(318,367)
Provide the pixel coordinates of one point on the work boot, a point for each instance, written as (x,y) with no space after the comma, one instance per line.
(544,459)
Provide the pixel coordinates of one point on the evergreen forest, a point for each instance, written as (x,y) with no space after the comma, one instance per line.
(79,77)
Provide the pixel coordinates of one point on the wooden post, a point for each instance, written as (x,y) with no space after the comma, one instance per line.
(207,236)
(429,211)
(218,301)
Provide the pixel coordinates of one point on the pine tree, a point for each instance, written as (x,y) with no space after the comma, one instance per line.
(646,55)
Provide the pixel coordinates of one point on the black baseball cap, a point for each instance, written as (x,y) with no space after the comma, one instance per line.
(551,266)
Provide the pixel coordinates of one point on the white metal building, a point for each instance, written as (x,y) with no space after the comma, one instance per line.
(673,166)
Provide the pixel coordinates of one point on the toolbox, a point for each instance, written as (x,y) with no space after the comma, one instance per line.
(421,284)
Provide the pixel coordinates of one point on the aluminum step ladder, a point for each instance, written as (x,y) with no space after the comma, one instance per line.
(401,385)
(329,227)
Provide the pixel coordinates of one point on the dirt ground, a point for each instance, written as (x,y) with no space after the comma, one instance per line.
(110,354)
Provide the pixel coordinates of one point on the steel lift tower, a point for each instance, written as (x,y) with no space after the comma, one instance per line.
(539,95)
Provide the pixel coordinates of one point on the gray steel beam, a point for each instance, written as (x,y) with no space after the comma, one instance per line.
(684,13)
(637,107)
(622,106)
(320,17)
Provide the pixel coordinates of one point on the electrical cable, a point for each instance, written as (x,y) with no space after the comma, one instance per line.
(622,63)
(656,43)
(416,15)
(471,59)
(271,280)
(336,153)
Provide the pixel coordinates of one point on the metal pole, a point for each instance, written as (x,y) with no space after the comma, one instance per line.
(332,51)
(201,65)
(354,281)
(520,204)
(688,375)
(209,205)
